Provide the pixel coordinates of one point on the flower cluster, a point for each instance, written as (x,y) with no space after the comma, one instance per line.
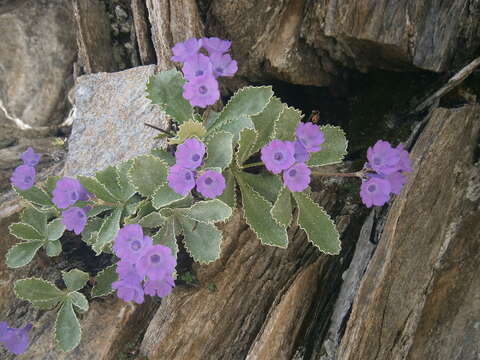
(386,168)
(141,261)
(183,176)
(290,157)
(23,176)
(14,339)
(66,193)
(201,71)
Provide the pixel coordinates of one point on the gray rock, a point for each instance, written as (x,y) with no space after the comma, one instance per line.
(108,125)
(36,59)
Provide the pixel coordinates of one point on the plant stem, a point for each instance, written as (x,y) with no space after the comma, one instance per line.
(259,163)
(358,174)
(157,128)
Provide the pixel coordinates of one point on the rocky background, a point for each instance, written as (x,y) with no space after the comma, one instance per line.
(406,285)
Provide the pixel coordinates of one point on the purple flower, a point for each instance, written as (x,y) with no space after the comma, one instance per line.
(223,64)
(181,180)
(183,50)
(156,263)
(278,155)
(216,45)
(30,157)
(130,288)
(161,287)
(211,184)
(310,136)
(68,191)
(125,269)
(301,154)
(396,180)
(23,177)
(297,177)
(197,65)
(405,163)
(14,339)
(190,154)
(130,243)
(75,219)
(375,191)
(383,158)
(201,91)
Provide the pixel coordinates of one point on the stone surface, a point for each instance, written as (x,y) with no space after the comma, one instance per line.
(420,297)
(310,42)
(142,31)
(93,36)
(108,125)
(172,21)
(259,290)
(36,61)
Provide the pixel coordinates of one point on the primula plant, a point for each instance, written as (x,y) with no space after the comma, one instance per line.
(256,148)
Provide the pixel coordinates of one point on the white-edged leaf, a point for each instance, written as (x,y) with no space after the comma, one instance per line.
(202,241)
(22,253)
(67,327)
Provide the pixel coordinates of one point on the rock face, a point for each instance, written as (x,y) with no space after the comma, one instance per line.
(420,296)
(111,110)
(308,42)
(36,61)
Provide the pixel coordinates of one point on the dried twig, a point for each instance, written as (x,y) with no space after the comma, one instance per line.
(452,83)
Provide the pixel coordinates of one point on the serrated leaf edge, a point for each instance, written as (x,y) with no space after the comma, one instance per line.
(183,210)
(273,206)
(28,225)
(107,293)
(276,124)
(190,253)
(98,233)
(78,322)
(94,178)
(344,150)
(129,173)
(34,278)
(34,203)
(329,218)
(209,138)
(246,220)
(249,147)
(18,244)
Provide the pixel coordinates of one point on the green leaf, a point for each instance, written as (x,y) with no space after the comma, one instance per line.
(257,214)
(333,149)
(219,150)
(188,130)
(97,188)
(247,140)
(318,225)
(109,178)
(282,209)
(35,195)
(35,218)
(51,183)
(127,190)
(99,209)
(164,196)
(25,232)
(212,118)
(34,290)
(166,89)
(166,236)
(287,123)
(246,102)
(208,212)
(55,229)
(229,195)
(79,300)
(148,173)
(104,280)
(108,231)
(264,123)
(202,241)
(152,220)
(67,327)
(266,184)
(75,279)
(54,248)
(45,305)
(90,233)
(164,155)
(21,254)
